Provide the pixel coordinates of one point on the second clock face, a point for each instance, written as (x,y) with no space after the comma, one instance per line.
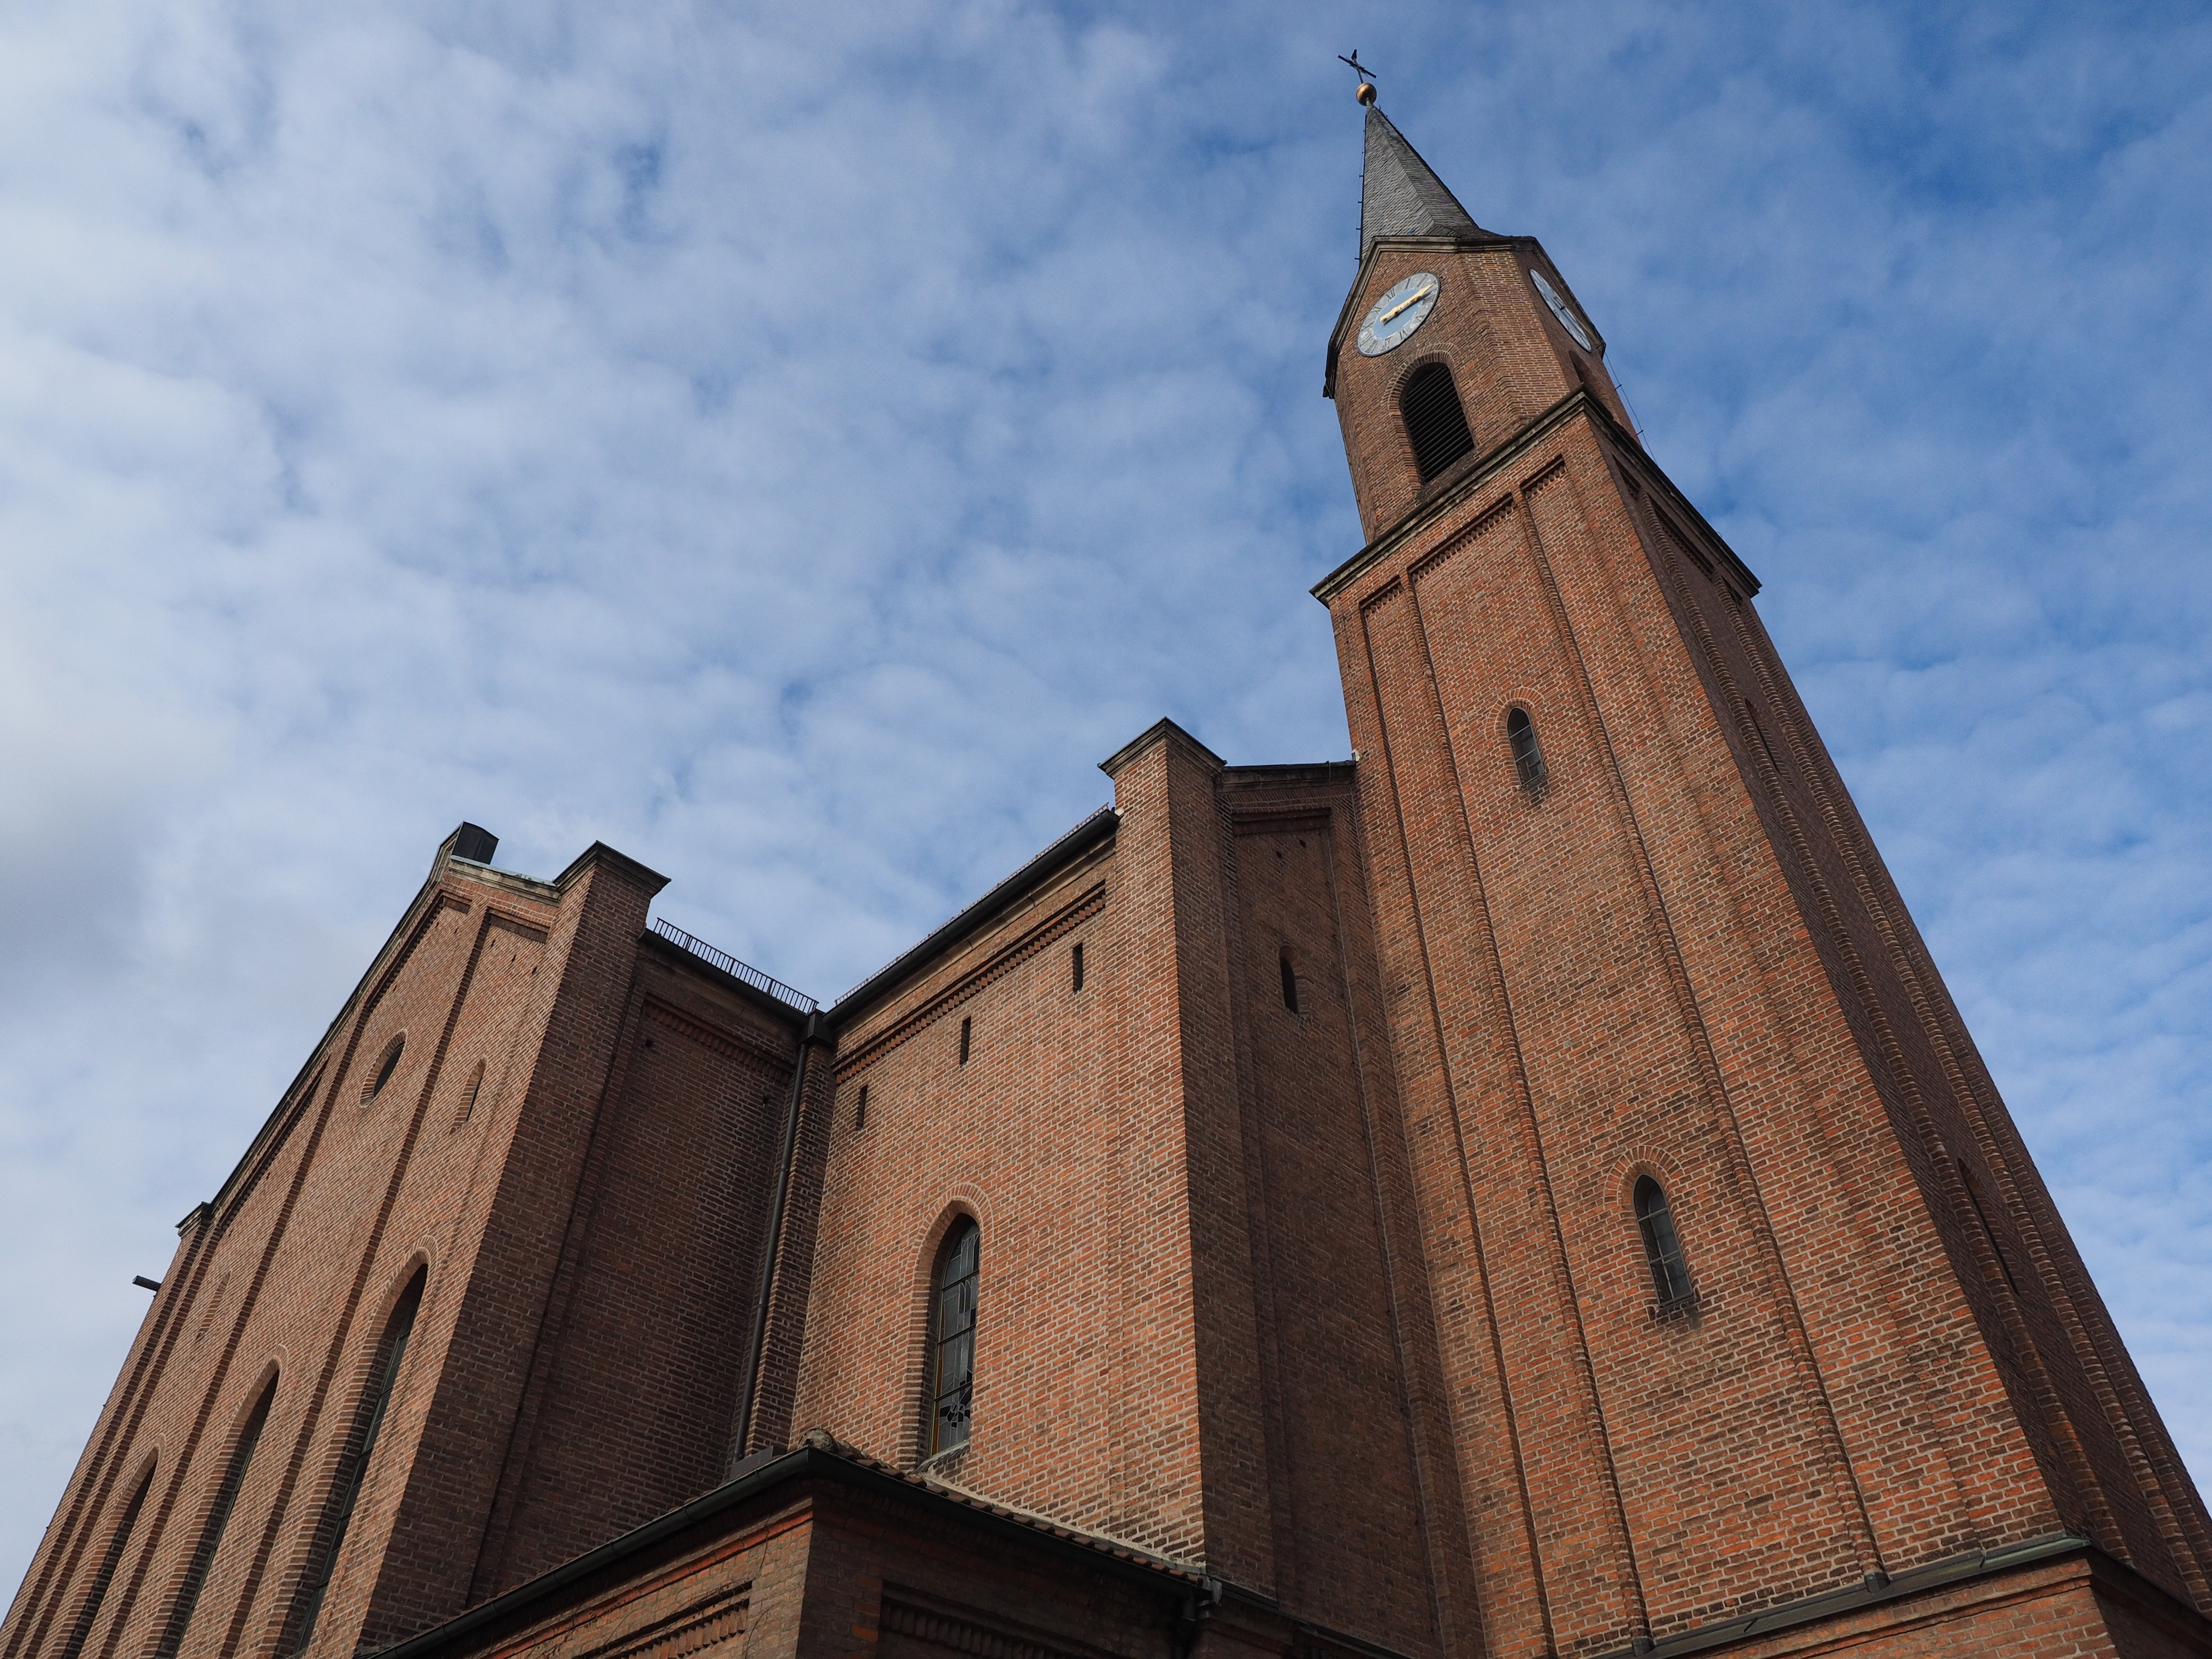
(1561,310)
(1399,312)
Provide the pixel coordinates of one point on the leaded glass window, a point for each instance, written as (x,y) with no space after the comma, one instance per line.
(1528,754)
(952,1341)
(1662,1249)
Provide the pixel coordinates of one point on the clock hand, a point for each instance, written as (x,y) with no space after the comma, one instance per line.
(1406,304)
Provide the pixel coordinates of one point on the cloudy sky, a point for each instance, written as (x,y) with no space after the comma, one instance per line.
(795,445)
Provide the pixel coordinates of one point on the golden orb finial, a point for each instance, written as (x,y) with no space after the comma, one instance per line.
(1366,93)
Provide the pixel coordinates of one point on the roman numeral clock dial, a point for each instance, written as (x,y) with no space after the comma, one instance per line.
(1392,319)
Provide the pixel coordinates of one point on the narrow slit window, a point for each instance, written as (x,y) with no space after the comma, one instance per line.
(1527,753)
(952,1341)
(1289,984)
(385,1068)
(966,1036)
(1075,969)
(1982,1215)
(860,1109)
(226,1498)
(353,1467)
(110,1558)
(1662,1248)
(1435,425)
(466,1109)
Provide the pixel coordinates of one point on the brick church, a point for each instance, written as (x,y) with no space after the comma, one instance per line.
(1523,1191)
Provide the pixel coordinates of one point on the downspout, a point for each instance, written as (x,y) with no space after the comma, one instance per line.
(815,1032)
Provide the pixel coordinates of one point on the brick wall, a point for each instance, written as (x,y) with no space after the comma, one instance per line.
(637,1374)
(573,1151)
(1200,1281)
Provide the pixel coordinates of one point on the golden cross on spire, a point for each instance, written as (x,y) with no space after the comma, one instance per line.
(1366,93)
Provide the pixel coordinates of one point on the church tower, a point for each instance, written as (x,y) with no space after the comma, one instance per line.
(1754,1310)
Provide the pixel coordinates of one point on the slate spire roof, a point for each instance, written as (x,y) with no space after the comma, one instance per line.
(1399,195)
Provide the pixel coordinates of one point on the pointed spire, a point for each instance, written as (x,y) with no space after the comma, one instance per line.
(1399,195)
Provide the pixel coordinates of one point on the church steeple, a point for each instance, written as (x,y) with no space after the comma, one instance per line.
(1746,1291)
(1400,194)
(1453,337)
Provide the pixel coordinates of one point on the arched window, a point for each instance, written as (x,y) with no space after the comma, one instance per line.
(1670,1274)
(1289,984)
(353,1465)
(952,1341)
(1527,753)
(385,1068)
(1435,423)
(110,1558)
(226,1498)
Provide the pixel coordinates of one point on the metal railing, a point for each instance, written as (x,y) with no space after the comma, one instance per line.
(730,965)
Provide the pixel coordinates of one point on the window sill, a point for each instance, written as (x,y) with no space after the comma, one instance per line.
(944,1464)
(1678,1308)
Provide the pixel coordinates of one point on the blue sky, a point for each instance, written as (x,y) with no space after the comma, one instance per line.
(794,445)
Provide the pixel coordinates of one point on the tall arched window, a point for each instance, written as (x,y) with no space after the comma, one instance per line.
(1527,753)
(1435,423)
(952,1340)
(226,1498)
(110,1558)
(1662,1249)
(353,1465)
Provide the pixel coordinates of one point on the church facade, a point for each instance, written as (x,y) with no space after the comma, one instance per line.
(1523,1191)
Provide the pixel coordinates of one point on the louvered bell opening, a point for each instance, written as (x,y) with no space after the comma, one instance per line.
(1434,420)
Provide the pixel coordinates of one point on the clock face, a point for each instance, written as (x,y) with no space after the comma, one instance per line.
(1561,310)
(1399,312)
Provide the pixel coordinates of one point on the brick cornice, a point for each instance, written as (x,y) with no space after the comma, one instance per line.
(1504,459)
(599,853)
(996,965)
(1160,731)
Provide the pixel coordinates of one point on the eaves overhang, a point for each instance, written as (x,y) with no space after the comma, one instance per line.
(821,1458)
(1092,832)
(1878,1589)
